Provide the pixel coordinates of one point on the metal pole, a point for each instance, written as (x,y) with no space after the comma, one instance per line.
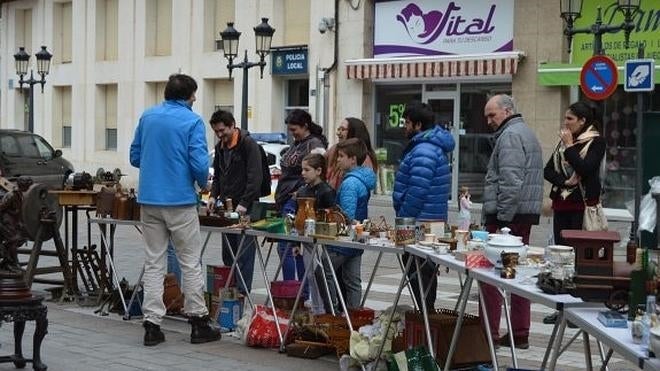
(598,34)
(639,178)
(244,102)
(31,104)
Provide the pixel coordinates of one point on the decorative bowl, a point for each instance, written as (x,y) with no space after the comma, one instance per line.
(504,242)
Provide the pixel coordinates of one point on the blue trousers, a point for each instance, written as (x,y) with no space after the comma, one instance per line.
(293,266)
(173,262)
(245,261)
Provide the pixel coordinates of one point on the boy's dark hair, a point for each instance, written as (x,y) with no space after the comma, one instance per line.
(317,161)
(419,112)
(224,117)
(353,147)
(180,87)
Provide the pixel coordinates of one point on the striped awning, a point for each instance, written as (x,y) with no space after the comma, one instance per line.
(465,65)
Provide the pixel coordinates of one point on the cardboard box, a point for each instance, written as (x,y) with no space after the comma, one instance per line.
(216,278)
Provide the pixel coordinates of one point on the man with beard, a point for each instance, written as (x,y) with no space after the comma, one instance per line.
(423,183)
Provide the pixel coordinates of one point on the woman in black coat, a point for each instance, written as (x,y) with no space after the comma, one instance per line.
(574,172)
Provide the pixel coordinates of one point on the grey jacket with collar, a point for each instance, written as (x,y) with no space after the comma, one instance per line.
(513,191)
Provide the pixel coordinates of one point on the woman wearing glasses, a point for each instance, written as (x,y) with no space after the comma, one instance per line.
(349,127)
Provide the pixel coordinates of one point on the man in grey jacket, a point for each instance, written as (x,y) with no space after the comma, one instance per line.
(513,194)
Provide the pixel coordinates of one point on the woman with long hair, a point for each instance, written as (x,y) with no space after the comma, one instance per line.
(574,171)
(308,137)
(350,127)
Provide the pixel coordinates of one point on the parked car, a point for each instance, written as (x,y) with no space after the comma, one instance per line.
(274,152)
(27,154)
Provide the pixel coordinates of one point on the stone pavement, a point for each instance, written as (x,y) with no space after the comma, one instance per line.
(78,339)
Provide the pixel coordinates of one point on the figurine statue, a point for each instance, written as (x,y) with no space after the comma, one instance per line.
(12,234)
(464,206)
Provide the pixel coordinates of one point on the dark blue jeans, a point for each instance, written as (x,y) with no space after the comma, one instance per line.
(245,261)
(292,265)
(173,262)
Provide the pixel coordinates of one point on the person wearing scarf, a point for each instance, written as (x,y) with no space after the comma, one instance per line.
(574,171)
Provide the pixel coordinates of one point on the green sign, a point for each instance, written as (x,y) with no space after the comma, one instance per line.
(647,31)
(396,114)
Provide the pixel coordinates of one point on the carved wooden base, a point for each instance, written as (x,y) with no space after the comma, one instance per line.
(19,311)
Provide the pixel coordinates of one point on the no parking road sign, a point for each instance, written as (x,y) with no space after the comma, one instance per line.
(639,75)
(599,77)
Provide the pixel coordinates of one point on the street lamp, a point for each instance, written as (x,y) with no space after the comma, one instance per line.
(22,59)
(572,10)
(229,44)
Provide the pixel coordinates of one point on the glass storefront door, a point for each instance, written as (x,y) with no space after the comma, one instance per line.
(445,108)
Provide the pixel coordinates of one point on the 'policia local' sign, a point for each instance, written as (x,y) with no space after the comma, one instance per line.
(289,62)
(647,31)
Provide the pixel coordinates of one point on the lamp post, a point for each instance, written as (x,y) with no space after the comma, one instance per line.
(22,59)
(228,42)
(572,10)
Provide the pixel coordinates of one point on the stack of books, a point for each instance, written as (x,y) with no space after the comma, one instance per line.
(612,319)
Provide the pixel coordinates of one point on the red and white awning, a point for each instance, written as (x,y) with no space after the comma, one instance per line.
(489,64)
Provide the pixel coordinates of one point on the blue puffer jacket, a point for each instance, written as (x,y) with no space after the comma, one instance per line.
(353,198)
(170,150)
(423,181)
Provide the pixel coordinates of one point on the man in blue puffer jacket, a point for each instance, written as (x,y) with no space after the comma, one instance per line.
(423,182)
(353,198)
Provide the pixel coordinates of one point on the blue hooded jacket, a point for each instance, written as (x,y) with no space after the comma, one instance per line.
(423,181)
(353,198)
(170,150)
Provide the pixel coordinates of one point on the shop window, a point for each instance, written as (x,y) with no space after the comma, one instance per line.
(619,121)
(390,137)
(474,136)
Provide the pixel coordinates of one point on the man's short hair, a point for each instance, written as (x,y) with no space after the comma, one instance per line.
(180,87)
(353,147)
(419,112)
(506,101)
(224,117)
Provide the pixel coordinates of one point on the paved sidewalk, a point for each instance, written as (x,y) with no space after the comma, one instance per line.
(77,340)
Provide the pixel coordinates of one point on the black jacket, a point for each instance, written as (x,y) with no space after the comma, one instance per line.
(324,194)
(588,168)
(238,178)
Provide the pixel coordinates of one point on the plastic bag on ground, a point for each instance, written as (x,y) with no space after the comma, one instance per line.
(262,331)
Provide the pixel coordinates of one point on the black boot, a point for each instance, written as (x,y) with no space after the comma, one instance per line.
(202,331)
(152,334)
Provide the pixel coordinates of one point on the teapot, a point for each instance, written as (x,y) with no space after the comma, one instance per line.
(504,242)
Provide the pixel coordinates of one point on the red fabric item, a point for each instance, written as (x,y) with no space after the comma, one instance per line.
(477,259)
(567,205)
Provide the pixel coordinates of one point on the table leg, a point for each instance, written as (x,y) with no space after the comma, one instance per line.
(295,306)
(19,328)
(462,303)
(371,279)
(325,285)
(112,267)
(489,336)
(507,316)
(560,314)
(340,296)
(606,360)
(425,313)
(396,302)
(206,242)
(587,350)
(234,266)
(39,333)
(558,340)
(127,314)
(405,273)
(270,296)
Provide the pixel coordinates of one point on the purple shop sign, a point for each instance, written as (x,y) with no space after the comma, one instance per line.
(433,27)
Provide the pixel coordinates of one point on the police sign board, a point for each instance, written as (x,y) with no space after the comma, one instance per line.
(289,62)
(639,75)
(599,77)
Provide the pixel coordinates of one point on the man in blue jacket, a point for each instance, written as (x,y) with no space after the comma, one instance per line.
(423,182)
(170,150)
